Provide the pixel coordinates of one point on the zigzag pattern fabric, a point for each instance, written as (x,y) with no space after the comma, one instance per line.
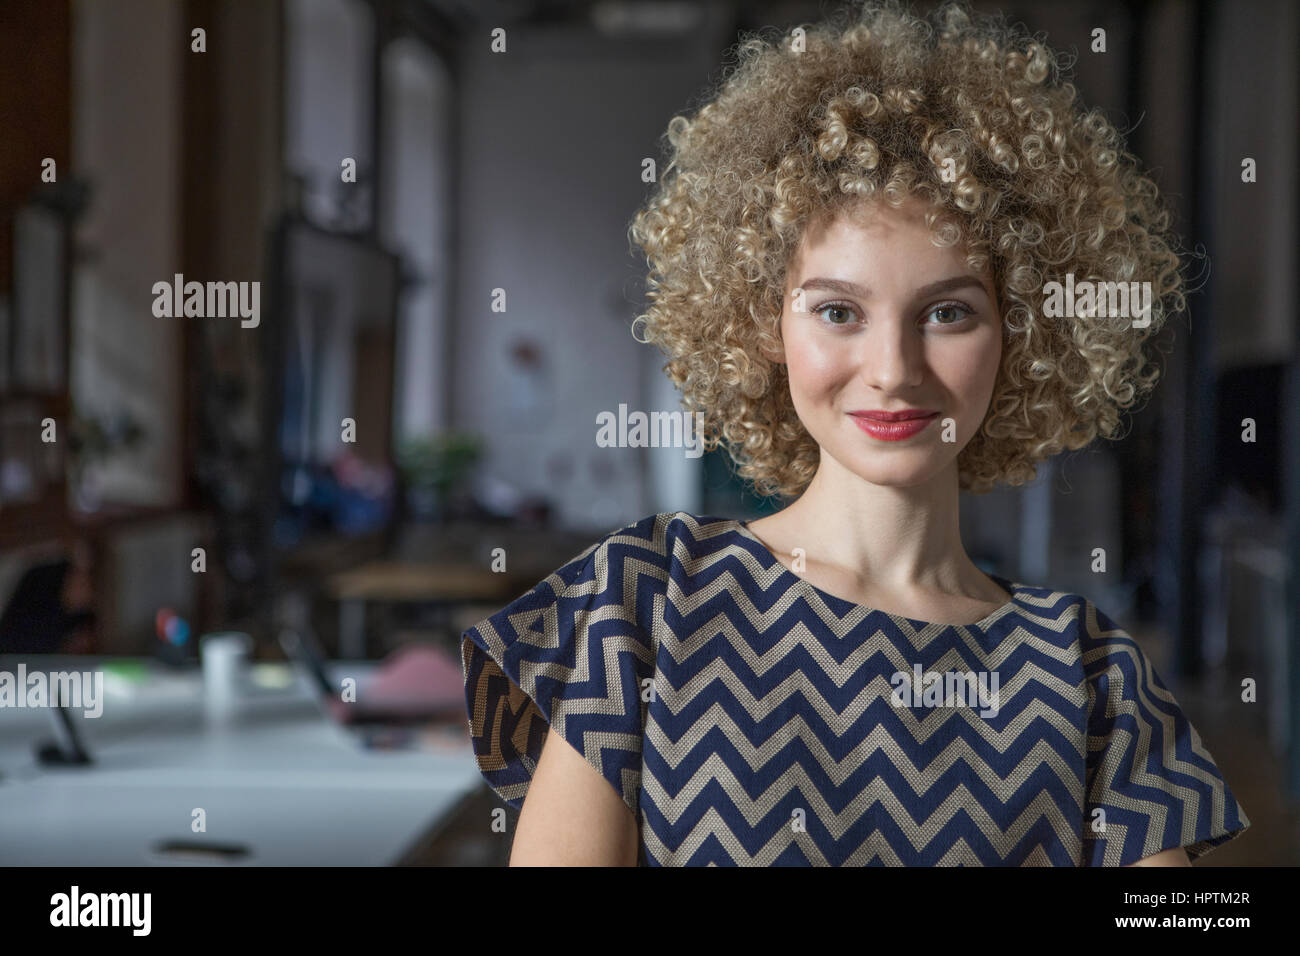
(746,717)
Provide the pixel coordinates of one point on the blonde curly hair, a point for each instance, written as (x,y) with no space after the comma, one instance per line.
(878,100)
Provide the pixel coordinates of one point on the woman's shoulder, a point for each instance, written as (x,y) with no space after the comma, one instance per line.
(652,547)
(1073,619)
(655,537)
(1055,607)
(677,524)
(1107,649)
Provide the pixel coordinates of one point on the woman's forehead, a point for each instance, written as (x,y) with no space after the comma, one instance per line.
(838,237)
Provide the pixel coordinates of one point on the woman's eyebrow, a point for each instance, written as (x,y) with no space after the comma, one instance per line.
(844,287)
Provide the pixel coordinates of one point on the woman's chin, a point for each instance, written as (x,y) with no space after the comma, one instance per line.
(905,469)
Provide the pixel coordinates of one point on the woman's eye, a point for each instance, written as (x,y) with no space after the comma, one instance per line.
(839,313)
(846,313)
(952,309)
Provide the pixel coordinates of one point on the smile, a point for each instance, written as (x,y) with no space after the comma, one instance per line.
(893,431)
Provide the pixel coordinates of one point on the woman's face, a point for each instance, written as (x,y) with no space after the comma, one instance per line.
(889,323)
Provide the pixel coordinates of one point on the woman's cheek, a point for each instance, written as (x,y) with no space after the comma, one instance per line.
(970,379)
(815,367)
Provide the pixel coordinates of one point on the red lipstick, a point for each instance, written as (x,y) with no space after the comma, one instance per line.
(893,426)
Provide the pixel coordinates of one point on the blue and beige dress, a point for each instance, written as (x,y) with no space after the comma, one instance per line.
(746,717)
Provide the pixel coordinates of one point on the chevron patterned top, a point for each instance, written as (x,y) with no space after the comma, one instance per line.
(748,718)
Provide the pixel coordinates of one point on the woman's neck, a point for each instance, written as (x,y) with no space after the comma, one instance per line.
(900,541)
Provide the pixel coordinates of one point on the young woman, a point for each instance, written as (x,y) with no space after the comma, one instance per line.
(850,260)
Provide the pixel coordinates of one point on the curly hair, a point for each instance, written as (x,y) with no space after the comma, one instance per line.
(967,114)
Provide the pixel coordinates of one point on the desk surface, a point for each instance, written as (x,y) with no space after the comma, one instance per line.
(425,581)
(281,780)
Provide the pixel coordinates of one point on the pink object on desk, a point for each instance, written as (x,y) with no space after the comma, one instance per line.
(416,680)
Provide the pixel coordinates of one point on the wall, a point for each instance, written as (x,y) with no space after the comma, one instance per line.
(125,106)
(415,220)
(1253,110)
(551,141)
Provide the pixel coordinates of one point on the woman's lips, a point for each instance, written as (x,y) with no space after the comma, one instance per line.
(893,431)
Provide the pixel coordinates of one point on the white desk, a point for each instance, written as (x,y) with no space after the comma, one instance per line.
(283,780)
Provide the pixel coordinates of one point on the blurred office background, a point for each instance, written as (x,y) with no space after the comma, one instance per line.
(474,427)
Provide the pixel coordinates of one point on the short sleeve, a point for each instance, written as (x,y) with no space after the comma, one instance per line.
(1148,771)
(570,655)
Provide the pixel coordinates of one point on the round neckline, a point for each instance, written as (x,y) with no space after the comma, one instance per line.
(1011,587)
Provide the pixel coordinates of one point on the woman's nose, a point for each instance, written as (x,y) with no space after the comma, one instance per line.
(892,356)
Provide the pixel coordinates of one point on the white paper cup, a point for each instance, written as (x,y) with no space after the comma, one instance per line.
(224,657)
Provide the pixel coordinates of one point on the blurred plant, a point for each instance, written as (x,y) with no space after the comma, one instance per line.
(93,439)
(438,463)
